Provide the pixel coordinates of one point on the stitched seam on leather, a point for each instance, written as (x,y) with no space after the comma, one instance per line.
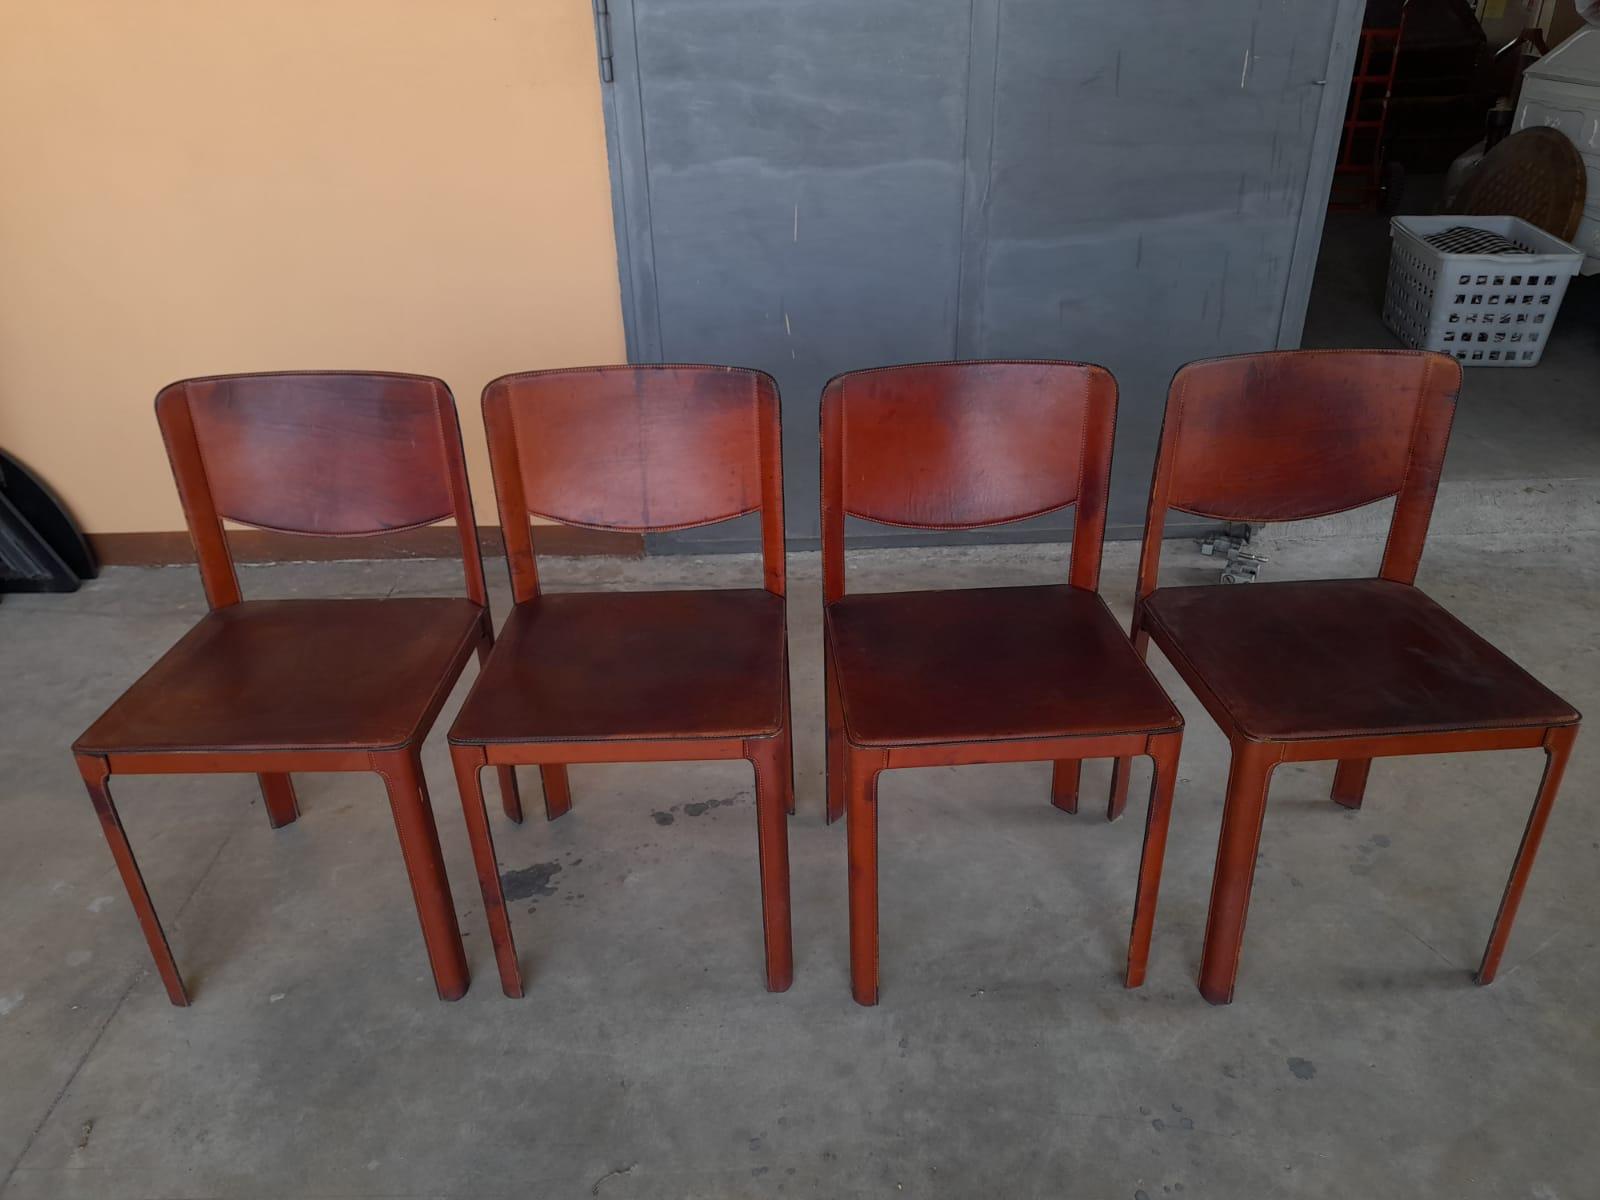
(1009,739)
(603,739)
(744,512)
(964,524)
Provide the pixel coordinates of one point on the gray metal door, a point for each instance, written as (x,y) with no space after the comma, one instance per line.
(812,186)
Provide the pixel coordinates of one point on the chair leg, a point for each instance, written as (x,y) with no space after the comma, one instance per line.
(95,777)
(430,886)
(1064,784)
(277,793)
(835,747)
(510,797)
(1350,781)
(557,791)
(861,828)
(1557,749)
(1122,769)
(468,762)
(1164,777)
(1243,812)
(769,758)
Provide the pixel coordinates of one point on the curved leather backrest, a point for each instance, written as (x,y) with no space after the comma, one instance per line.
(636,448)
(1295,434)
(321,453)
(964,444)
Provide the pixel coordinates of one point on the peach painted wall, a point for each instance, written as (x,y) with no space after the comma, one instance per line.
(198,186)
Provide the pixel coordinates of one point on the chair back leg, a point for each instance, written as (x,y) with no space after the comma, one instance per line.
(557,790)
(468,762)
(277,793)
(1350,781)
(1122,768)
(1064,777)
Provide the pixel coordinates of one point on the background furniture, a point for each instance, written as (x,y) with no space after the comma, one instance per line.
(1347,669)
(635,676)
(982,675)
(275,686)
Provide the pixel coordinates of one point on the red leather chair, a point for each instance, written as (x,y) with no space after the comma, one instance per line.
(635,676)
(275,686)
(1346,669)
(934,678)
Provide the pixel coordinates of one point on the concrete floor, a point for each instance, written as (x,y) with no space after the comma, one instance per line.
(647,1061)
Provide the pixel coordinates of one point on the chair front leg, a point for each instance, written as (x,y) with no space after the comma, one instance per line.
(1064,777)
(96,775)
(469,763)
(277,793)
(1558,749)
(1164,752)
(1243,812)
(1122,769)
(769,758)
(430,886)
(1350,781)
(557,790)
(510,798)
(862,769)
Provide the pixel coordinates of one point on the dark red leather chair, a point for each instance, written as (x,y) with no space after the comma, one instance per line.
(934,678)
(1347,669)
(635,676)
(274,686)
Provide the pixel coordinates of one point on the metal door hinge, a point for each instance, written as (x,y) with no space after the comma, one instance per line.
(602,37)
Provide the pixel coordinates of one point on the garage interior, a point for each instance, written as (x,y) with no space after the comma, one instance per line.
(646,1060)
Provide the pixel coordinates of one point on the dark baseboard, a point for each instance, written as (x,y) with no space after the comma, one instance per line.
(436,541)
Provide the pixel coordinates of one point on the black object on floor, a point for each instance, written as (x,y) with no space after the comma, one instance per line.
(41,548)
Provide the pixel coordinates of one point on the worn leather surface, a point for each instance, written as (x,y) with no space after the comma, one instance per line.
(594,666)
(1287,435)
(1331,658)
(983,664)
(295,674)
(955,445)
(639,448)
(322,453)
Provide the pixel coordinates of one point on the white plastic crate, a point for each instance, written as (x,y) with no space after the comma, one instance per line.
(1484,290)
